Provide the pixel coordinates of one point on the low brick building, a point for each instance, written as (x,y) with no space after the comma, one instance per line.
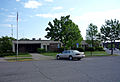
(32,45)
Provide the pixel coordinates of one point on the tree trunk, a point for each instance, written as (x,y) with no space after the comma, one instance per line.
(64,46)
(92,47)
(111,48)
(114,44)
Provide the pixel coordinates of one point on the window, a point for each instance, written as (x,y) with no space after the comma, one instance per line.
(68,51)
(64,51)
(44,46)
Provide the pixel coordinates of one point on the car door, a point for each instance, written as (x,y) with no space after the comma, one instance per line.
(67,54)
(63,54)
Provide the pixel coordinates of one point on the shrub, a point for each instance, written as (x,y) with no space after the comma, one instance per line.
(99,48)
(40,50)
(90,49)
(60,49)
(79,49)
(7,54)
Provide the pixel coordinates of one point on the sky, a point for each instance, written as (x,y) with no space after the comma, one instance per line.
(34,15)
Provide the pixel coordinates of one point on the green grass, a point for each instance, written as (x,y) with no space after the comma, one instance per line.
(96,53)
(21,55)
(87,53)
(19,59)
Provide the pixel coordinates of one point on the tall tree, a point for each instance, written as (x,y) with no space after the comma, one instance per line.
(110,31)
(64,30)
(91,34)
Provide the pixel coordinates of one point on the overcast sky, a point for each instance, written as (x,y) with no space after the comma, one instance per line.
(34,15)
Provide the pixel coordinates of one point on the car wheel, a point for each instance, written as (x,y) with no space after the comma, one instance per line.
(70,58)
(58,57)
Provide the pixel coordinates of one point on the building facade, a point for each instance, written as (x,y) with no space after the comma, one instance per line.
(115,45)
(33,45)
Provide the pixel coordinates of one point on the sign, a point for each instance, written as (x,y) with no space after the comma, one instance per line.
(77,44)
(58,45)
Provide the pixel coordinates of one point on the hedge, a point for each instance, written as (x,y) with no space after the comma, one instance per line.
(40,50)
(7,54)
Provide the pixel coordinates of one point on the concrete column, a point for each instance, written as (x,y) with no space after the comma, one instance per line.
(13,47)
(46,47)
(41,45)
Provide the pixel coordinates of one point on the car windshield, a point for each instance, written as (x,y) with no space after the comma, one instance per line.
(66,51)
(76,51)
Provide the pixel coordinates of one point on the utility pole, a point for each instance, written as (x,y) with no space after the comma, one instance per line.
(17,34)
(12,30)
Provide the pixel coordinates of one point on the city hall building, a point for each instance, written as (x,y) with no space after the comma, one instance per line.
(33,45)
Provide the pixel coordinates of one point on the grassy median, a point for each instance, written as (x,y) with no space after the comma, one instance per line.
(21,55)
(87,53)
(19,59)
(96,53)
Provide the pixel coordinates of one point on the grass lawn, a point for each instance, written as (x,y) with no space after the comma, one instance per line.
(21,55)
(87,53)
(96,53)
(19,59)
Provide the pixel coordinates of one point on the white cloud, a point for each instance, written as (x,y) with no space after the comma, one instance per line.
(57,8)
(3,9)
(52,15)
(97,18)
(17,0)
(5,25)
(49,0)
(11,16)
(32,4)
(71,9)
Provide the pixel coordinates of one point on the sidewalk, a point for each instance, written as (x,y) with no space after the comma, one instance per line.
(116,51)
(2,60)
(37,56)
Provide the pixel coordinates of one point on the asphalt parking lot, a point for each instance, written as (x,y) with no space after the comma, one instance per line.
(94,69)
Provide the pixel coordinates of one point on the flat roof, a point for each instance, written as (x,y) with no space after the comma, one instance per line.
(34,41)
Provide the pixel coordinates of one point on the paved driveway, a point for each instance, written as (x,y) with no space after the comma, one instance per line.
(95,69)
(37,56)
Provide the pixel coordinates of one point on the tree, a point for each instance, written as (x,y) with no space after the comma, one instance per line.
(111,32)
(64,30)
(6,44)
(91,34)
(24,39)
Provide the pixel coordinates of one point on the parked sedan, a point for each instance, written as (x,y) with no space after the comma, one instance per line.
(71,54)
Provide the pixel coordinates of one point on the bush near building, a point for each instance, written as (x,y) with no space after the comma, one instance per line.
(7,54)
(79,49)
(40,50)
(6,46)
(99,48)
(90,49)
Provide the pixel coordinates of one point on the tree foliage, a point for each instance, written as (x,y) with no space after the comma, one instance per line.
(91,34)
(65,31)
(6,44)
(110,31)
(24,39)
